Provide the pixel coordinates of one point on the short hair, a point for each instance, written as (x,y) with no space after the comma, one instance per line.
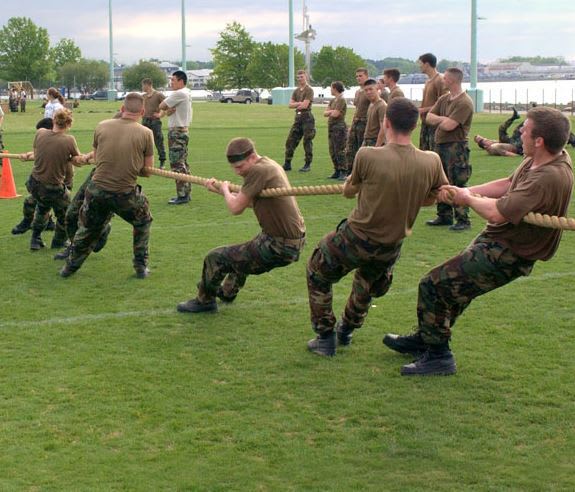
(338,86)
(181,75)
(47,123)
(370,82)
(362,70)
(429,58)
(402,115)
(392,73)
(63,118)
(457,73)
(133,102)
(239,149)
(146,81)
(551,125)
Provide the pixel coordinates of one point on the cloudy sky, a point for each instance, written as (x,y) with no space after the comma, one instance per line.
(374,29)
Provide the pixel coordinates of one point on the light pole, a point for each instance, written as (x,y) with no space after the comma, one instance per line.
(184,62)
(291,73)
(307,36)
(111,90)
(475,93)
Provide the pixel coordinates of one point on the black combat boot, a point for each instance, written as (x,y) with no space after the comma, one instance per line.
(306,168)
(22,227)
(323,344)
(440,221)
(36,242)
(287,166)
(406,344)
(437,361)
(195,306)
(344,333)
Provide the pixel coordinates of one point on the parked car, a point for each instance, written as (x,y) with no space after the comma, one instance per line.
(243,96)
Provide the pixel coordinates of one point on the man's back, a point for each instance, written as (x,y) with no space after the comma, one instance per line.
(121,145)
(394,181)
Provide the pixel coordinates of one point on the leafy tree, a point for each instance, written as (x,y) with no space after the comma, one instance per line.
(331,64)
(198,65)
(86,74)
(64,52)
(133,75)
(404,65)
(269,65)
(536,60)
(442,65)
(24,50)
(232,56)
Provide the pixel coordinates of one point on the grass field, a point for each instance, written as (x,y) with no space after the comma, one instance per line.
(104,386)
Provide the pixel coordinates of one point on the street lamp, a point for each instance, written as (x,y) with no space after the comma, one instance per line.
(307,36)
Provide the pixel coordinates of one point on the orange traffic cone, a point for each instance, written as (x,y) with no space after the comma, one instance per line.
(7,185)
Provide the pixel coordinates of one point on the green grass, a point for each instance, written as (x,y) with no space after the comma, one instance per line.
(104,386)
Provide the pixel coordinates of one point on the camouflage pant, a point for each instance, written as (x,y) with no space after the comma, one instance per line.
(49,197)
(73,212)
(426,137)
(515,138)
(97,210)
(28,208)
(369,142)
(229,266)
(155,124)
(303,126)
(1,142)
(455,159)
(448,289)
(337,133)
(337,254)
(354,141)
(178,145)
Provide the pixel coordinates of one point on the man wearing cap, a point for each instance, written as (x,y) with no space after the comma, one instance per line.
(278,244)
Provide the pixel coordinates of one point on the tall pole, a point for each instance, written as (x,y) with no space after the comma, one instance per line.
(291,75)
(111,91)
(184,62)
(473,68)
(475,93)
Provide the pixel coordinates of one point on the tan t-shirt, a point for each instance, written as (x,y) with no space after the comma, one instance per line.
(459,109)
(121,146)
(396,92)
(394,181)
(361,103)
(303,94)
(433,89)
(278,217)
(375,115)
(52,154)
(545,189)
(340,105)
(152,103)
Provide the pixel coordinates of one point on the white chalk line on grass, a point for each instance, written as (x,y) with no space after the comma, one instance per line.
(297,301)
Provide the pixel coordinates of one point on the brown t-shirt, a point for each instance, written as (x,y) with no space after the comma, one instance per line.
(152,103)
(303,94)
(396,92)
(340,105)
(52,154)
(545,189)
(375,115)
(394,181)
(277,216)
(121,145)
(434,88)
(459,109)
(361,103)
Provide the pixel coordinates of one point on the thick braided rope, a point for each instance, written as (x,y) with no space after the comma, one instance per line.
(541,220)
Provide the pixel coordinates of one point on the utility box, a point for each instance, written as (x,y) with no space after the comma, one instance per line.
(282,95)
(476,96)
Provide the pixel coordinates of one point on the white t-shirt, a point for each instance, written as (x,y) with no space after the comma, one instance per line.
(1,112)
(51,108)
(182,101)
